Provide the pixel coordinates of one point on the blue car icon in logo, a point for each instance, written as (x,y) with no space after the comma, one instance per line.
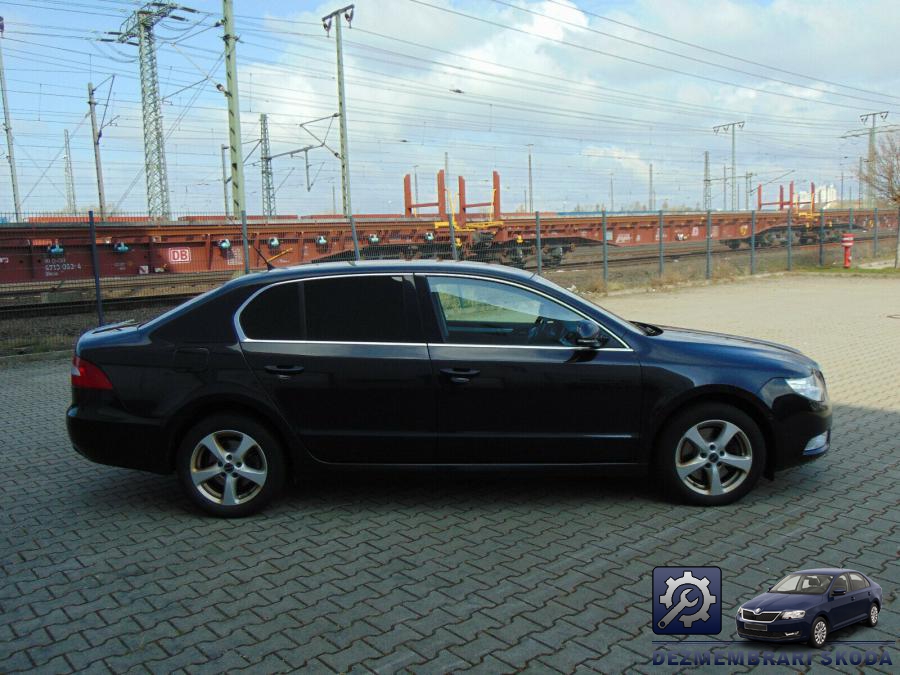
(687,600)
(809,605)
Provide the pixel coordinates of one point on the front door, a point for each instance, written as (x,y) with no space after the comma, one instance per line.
(344,360)
(513,387)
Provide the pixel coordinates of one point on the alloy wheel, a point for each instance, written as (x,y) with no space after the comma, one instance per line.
(713,457)
(228,467)
(873,615)
(820,632)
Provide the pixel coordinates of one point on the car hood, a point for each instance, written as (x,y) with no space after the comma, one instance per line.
(737,348)
(770,602)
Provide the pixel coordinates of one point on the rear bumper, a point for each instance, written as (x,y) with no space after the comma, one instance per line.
(112,437)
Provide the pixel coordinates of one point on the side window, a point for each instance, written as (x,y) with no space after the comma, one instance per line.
(274,314)
(482,312)
(857,582)
(842,581)
(357,309)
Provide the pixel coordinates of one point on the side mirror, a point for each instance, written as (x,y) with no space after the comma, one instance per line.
(587,334)
(838,590)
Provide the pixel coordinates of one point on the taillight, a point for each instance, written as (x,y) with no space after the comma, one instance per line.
(85,375)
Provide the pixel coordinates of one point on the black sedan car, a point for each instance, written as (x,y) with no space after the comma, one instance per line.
(433,364)
(810,605)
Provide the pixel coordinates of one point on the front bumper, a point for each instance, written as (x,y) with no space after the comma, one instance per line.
(794,630)
(802,428)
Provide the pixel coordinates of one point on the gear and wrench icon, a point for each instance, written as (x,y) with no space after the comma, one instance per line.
(702,585)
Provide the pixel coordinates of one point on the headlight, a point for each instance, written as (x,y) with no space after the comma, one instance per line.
(812,387)
(794,614)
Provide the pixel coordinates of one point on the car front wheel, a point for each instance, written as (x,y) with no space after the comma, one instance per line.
(710,455)
(819,633)
(230,465)
(873,615)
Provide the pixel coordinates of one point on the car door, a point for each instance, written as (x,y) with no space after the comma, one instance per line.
(344,360)
(860,595)
(512,385)
(840,607)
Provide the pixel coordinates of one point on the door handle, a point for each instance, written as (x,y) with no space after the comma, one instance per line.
(284,370)
(460,375)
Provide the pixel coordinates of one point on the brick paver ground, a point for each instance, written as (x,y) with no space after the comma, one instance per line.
(103,569)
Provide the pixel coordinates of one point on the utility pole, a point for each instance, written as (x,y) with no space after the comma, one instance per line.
(860,175)
(733,126)
(724,188)
(842,188)
(268,181)
(101,196)
(747,188)
(416,184)
(530,184)
(7,125)
(612,203)
(650,200)
(707,183)
(139,26)
(234,110)
(870,196)
(333,199)
(69,176)
(225,179)
(329,20)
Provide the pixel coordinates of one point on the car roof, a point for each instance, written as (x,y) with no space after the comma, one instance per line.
(386,266)
(825,570)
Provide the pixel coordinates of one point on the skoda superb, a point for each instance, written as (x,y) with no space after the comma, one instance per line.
(421,364)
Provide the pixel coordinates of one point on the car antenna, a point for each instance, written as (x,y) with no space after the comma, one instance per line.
(269,266)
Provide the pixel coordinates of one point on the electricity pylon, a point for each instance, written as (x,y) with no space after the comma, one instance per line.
(139,26)
(268,181)
(71,207)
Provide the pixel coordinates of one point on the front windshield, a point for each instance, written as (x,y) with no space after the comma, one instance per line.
(808,584)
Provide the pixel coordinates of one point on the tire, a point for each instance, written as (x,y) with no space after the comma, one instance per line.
(230,466)
(690,464)
(873,615)
(818,634)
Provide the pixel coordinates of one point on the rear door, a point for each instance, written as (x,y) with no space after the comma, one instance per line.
(841,611)
(860,595)
(513,387)
(344,360)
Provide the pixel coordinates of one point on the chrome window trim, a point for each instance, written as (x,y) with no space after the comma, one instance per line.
(242,337)
(624,348)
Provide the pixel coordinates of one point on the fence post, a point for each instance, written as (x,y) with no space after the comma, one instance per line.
(897,251)
(790,243)
(537,242)
(709,244)
(662,260)
(822,237)
(606,255)
(753,242)
(95,264)
(875,242)
(246,243)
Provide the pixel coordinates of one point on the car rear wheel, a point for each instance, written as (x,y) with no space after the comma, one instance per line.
(711,454)
(819,633)
(230,465)
(873,615)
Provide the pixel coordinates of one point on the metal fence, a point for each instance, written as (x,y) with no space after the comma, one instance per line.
(61,275)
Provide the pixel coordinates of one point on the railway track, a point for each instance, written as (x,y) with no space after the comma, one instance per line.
(122,294)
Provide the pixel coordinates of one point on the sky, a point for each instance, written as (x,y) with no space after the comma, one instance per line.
(596,91)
